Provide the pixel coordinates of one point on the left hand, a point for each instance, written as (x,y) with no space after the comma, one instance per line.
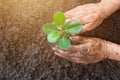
(90,15)
(87,50)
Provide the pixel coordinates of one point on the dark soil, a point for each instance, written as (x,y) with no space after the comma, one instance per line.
(26,55)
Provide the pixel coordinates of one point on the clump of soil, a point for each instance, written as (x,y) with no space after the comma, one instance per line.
(25,53)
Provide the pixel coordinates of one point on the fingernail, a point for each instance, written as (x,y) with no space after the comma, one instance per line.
(55,53)
(70,37)
(67,20)
(53,48)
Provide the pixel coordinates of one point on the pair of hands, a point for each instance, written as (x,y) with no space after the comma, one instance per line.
(85,49)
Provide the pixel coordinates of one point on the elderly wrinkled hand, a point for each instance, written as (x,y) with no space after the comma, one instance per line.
(83,50)
(90,15)
(86,49)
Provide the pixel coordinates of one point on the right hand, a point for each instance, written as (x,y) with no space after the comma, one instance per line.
(84,50)
(90,15)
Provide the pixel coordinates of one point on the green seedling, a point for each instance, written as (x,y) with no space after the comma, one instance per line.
(59,31)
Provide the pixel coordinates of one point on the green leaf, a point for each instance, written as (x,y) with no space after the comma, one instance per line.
(73,27)
(64,43)
(53,37)
(48,28)
(59,18)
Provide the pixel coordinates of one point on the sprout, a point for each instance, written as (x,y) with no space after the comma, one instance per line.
(59,31)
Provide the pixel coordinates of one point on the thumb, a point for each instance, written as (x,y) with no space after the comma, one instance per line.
(86,27)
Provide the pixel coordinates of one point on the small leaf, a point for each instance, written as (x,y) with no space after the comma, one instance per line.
(59,18)
(48,28)
(64,43)
(53,37)
(73,27)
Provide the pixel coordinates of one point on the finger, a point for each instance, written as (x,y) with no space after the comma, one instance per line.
(58,54)
(74,18)
(75,57)
(90,26)
(68,15)
(82,20)
(61,52)
(87,19)
(77,39)
(88,23)
(68,20)
(67,53)
(96,24)
(86,27)
(67,58)
(71,17)
(78,60)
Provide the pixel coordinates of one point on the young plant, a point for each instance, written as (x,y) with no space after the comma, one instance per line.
(59,31)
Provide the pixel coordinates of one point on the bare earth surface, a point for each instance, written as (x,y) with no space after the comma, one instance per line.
(25,53)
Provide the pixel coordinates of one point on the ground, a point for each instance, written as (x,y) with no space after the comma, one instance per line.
(26,55)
